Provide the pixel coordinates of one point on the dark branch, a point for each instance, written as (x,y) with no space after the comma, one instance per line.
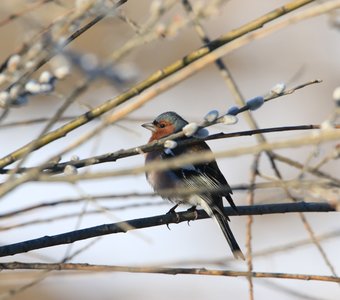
(77,235)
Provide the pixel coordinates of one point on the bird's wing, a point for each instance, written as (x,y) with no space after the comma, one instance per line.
(207,175)
(203,174)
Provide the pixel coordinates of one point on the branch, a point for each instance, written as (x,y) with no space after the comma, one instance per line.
(77,235)
(114,156)
(157,270)
(150,81)
(174,163)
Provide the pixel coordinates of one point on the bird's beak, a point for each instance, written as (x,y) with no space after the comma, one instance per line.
(149,126)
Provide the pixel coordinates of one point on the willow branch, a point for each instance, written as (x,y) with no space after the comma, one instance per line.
(153,79)
(114,156)
(174,163)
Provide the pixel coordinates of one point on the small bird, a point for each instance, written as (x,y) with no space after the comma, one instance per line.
(190,176)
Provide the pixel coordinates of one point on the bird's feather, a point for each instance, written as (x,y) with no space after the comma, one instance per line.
(195,176)
(207,174)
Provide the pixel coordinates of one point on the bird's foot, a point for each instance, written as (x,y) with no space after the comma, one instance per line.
(173,212)
(194,210)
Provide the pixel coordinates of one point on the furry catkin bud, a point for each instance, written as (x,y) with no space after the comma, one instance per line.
(278,88)
(4,99)
(74,158)
(228,120)
(45,77)
(32,87)
(46,87)
(234,110)
(61,72)
(190,129)
(211,116)
(170,144)
(3,78)
(14,91)
(13,63)
(70,170)
(255,103)
(201,133)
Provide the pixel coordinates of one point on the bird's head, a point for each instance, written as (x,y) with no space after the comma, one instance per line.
(165,124)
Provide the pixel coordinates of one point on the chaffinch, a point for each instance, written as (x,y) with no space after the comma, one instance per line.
(190,176)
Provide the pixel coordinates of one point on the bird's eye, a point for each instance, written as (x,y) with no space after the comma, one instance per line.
(161,125)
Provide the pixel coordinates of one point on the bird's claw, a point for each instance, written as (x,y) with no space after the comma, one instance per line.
(194,210)
(177,218)
(173,212)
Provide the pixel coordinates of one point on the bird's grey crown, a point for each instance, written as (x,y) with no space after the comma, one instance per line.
(172,118)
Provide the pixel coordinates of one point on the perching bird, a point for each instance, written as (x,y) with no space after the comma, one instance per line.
(190,176)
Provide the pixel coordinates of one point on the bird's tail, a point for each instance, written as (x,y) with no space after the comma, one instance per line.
(223,223)
(217,214)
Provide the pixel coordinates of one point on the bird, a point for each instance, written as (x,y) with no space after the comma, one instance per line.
(193,176)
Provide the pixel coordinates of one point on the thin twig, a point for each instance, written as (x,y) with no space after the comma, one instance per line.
(171,193)
(168,271)
(251,195)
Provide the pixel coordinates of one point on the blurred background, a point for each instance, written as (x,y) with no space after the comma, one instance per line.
(139,38)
